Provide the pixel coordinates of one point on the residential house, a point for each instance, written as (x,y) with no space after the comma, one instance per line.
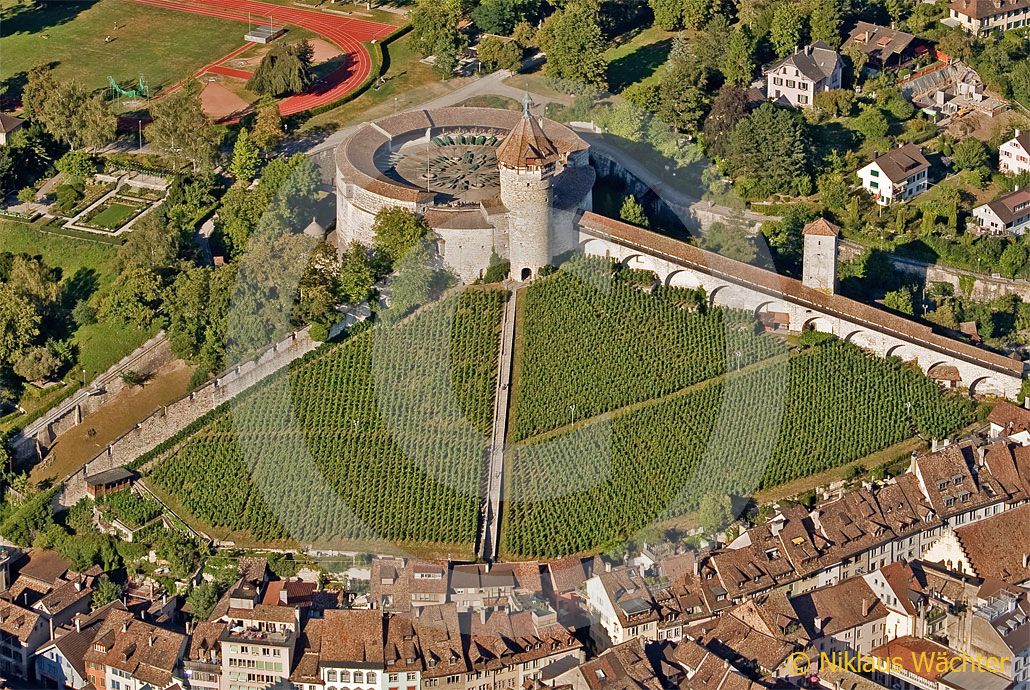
(626,666)
(884,46)
(997,547)
(509,650)
(484,585)
(305,674)
(999,627)
(846,617)
(622,605)
(1014,154)
(202,663)
(59,663)
(400,584)
(257,646)
(902,663)
(1011,422)
(759,634)
(351,653)
(22,632)
(898,175)
(9,124)
(795,80)
(1006,215)
(957,485)
(982,16)
(129,654)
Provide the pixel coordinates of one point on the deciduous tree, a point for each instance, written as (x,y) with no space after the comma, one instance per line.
(787,30)
(574,45)
(245,158)
(284,70)
(182,130)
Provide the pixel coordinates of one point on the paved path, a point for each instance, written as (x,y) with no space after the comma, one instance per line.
(346,33)
(492,510)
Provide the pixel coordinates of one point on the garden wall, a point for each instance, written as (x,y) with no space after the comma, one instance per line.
(169,420)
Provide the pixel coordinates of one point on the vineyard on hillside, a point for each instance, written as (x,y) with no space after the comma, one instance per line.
(382,436)
(781,420)
(594,342)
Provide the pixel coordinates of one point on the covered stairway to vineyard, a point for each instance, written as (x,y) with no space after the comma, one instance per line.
(738,285)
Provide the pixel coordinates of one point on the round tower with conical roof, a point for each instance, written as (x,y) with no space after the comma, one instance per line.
(528,162)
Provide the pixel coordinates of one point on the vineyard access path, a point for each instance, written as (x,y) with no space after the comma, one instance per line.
(495,472)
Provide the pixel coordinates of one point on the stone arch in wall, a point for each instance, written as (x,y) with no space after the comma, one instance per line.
(682,278)
(595,247)
(902,351)
(716,293)
(636,261)
(773,315)
(863,339)
(986,385)
(818,323)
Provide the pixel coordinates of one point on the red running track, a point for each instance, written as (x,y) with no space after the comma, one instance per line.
(345,32)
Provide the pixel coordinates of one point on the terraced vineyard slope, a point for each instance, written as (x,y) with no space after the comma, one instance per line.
(380,437)
(592,343)
(593,486)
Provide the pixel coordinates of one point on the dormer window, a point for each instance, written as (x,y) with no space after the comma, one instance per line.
(942,485)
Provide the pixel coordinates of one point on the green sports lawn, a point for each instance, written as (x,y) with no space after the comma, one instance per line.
(164,45)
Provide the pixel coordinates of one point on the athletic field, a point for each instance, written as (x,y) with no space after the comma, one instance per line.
(164,45)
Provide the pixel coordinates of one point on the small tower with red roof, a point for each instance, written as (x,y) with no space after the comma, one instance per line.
(819,263)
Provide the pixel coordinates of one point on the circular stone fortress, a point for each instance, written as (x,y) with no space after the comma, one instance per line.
(487,181)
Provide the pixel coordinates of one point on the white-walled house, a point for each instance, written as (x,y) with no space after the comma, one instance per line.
(898,175)
(1014,154)
(1011,422)
(981,16)
(796,79)
(1006,215)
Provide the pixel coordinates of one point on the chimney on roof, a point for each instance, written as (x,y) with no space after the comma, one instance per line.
(78,586)
(488,566)
(151,639)
(818,623)
(866,605)
(1026,560)
(284,596)
(607,567)
(78,623)
(125,626)
(482,615)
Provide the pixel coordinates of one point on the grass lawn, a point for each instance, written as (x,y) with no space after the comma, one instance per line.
(68,254)
(638,58)
(164,45)
(501,102)
(114,214)
(408,83)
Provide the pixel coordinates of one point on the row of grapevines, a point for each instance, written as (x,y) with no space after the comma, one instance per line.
(776,423)
(382,436)
(591,344)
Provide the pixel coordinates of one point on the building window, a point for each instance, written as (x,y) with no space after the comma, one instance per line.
(370,677)
(359,677)
(393,678)
(330,676)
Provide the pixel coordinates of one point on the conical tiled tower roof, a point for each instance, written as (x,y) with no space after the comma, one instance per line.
(526,144)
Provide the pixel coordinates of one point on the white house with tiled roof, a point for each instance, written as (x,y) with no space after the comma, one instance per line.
(980,16)
(1014,154)
(796,79)
(898,175)
(1006,215)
